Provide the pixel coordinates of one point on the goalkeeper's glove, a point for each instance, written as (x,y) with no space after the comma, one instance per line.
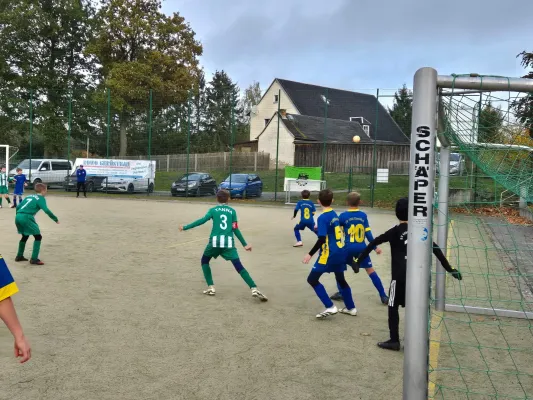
(355,265)
(456,274)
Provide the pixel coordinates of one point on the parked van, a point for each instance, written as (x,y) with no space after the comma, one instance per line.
(45,170)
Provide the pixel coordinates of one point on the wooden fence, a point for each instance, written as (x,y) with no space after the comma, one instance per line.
(206,162)
(341,157)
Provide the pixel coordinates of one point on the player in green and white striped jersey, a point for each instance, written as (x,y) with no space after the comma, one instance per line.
(4,191)
(222,243)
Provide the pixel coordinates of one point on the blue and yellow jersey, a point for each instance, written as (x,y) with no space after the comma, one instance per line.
(356,229)
(331,252)
(307,210)
(8,287)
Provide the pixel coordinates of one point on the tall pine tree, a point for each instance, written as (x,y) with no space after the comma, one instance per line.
(490,125)
(524,105)
(402,109)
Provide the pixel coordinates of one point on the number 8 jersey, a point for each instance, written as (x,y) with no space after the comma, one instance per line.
(356,228)
(331,252)
(224,222)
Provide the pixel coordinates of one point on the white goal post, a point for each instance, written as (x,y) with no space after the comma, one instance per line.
(293,188)
(4,156)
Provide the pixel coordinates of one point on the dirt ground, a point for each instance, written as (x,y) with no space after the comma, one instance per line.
(118,312)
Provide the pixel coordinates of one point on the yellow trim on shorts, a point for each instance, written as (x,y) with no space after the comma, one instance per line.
(8,291)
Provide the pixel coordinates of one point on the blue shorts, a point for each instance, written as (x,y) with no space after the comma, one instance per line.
(351,254)
(333,265)
(18,192)
(305,224)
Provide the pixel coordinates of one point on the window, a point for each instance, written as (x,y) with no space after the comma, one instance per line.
(45,166)
(60,165)
(276,98)
(267,120)
(366,128)
(356,119)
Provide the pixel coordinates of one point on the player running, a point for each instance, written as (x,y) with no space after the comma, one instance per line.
(307,211)
(20,184)
(222,243)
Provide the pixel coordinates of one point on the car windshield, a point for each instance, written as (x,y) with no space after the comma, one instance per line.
(455,157)
(237,178)
(26,164)
(190,177)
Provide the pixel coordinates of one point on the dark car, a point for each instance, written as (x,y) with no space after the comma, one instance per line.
(92,182)
(194,184)
(243,185)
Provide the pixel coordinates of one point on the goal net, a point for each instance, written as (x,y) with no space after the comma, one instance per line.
(4,157)
(294,187)
(480,331)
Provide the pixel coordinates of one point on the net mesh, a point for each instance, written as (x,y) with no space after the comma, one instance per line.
(484,349)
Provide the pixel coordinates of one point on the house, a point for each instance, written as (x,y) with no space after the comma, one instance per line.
(314,114)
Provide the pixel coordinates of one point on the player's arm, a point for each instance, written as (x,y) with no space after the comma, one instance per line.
(444,262)
(321,233)
(368,233)
(198,222)
(296,209)
(42,205)
(375,243)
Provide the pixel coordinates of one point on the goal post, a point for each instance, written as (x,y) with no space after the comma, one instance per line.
(293,188)
(5,157)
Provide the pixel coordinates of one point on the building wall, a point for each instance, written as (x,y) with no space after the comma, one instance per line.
(267,107)
(268,142)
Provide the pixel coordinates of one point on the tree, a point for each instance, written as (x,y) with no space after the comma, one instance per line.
(523,106)
(42,52)
(222,103)
(252,97)
(141,49)
(402,109)
(490,125)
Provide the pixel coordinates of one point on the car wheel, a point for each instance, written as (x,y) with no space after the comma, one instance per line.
(36,181)
(90,187)
(151,188)
(131,188)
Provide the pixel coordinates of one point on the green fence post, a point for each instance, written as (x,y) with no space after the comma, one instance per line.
(69,131)
(232,133)
(108,121)
(150,127)
(188,143)
(31,132)
(325,135)
(374,165)
(277,149)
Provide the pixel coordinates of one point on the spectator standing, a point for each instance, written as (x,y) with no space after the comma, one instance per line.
(81,175)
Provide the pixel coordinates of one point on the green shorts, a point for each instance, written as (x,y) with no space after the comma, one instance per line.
(26,225)
(226,254)
(4,190)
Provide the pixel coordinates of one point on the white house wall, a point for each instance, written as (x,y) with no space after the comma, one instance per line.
(267,107)
(268,140)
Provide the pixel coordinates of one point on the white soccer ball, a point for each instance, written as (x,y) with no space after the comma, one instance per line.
(356,139)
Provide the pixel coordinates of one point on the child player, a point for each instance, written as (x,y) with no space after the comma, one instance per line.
(222,243)
(26,224)
(8,288)
(307,211)
(20,184)
(397,237)
(331,258)
(4,191)
(356,229)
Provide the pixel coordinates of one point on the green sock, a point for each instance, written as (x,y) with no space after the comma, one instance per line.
(207,274)
(22,247)
(247,278)
(8,200)
(36,249)
(1,199)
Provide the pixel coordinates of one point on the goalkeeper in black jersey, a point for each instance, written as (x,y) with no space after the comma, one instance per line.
(397,237)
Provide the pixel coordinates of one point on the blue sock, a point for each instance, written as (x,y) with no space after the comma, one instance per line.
(347,297)
(377,283)
(339,288)
(297,234)
(320,291)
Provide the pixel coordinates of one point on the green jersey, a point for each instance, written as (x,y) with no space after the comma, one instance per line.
(224,226)
(3,179)
(32,204)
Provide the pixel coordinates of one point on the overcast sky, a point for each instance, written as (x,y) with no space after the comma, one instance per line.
(357,44)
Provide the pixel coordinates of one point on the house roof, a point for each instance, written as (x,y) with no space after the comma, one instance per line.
(343,104)
(311,129)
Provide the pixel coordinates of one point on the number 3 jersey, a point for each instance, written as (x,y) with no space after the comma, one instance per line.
(332,251)
(224,223)
(356,229)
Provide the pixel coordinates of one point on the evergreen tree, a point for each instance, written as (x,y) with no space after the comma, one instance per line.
(524,105)
(490,125)
(402,109)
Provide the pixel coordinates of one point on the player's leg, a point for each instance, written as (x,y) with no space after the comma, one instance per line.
(14,200)
(237,264)
(78,187)
(208,276)
(7,198)
(349,261)
(298,235)
(374,277)
(314,280)
(346,293)
(84,189)
(22,247)
(36,249)
(396,298)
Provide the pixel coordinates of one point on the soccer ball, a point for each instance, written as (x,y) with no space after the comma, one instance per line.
(356,139)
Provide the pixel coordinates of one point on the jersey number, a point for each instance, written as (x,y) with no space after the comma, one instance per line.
(224,223)
(307,213)
(357,233)
(339,237)
(28,201)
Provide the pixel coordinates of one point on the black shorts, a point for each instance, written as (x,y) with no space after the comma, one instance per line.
(397,294)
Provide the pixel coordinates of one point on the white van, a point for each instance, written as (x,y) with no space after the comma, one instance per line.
(45,170)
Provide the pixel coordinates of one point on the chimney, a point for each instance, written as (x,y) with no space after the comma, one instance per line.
(283,113)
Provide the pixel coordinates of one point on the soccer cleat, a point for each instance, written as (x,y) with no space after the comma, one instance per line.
(20,258)
(385,300)
(352,312)
(12,206)
(337,296)
(259,295)
(210,291)
(36,262)
(389,345)
(327,312)
(298,244)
